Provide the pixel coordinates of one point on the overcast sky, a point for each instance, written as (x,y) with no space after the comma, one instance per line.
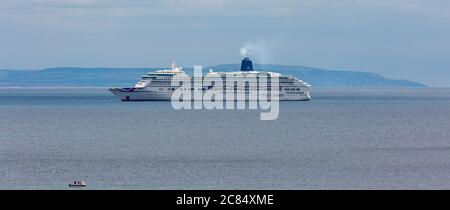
(402,39)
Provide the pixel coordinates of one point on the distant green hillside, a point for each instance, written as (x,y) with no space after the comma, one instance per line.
(118,77)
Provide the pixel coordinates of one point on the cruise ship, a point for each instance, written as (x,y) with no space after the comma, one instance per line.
(160,85)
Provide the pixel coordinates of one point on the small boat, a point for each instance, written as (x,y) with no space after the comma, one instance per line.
(78,183)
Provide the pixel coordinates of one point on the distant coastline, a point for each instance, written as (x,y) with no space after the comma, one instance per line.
(114,77)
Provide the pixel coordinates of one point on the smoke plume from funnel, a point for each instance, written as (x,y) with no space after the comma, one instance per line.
(257,50)
(243,52)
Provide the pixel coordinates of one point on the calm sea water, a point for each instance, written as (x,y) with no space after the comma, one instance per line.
(342,139)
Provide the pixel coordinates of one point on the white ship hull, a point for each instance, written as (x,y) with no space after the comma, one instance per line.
(143,95)
(140,95)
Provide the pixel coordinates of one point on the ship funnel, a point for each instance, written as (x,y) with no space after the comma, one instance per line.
(246,65)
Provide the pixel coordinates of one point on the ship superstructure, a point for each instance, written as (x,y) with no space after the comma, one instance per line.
(161,84)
